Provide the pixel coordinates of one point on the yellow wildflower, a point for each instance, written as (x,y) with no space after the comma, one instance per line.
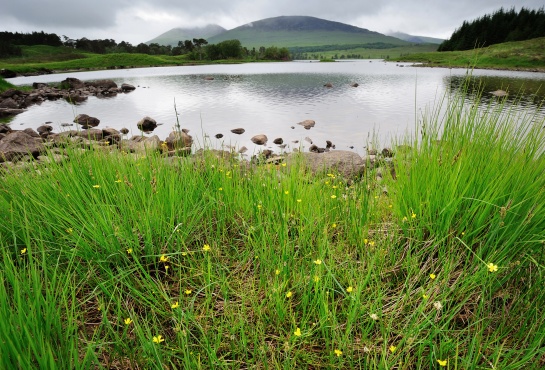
(284,164)
(432,276)
(286,192)
(392,348)
(334,225)
(374,316)
(299,200)
(316,278)
(297,332)
(188,291)
(163,258)
(158,339)
(318,261)
(277,272)
(206,248)
(175,305)
(404,219)
(23,251)
(492,267)
(289,294)
(333,196)
(349,289)
(220,189)
(413,215)
(166,268)
(118,181)
(338,352)
(184,254)
(442,363)
(69,230)
(425,296)
(96,186)
(129,251)
(127,321)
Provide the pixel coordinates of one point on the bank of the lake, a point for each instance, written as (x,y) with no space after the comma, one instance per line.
(516,56)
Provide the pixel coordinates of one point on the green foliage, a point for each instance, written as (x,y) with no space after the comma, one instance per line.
(4,85)
(112,259)
(502,26)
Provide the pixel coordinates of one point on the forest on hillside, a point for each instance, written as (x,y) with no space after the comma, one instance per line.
(196,49)
(501,26)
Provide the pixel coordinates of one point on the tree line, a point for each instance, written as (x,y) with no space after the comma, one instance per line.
(501,26)
(196,49)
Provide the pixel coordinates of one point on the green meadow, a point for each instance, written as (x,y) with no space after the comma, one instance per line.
(122,261)
(519,55)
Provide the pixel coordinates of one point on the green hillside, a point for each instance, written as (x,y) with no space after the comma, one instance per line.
(174,35)
(416,39)
(302,31)
(519,55)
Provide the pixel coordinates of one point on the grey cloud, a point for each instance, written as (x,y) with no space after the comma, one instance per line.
(65,13)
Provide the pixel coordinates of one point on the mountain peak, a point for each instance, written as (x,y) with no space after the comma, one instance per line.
(174,35)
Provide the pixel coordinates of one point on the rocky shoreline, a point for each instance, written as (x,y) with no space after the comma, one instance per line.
(21,148)
(14,101)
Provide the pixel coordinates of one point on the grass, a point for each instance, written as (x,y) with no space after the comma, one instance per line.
(520,55)
(4,85)
(111,260)
(393,53)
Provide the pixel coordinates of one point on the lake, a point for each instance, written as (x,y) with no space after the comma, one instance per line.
(271,98)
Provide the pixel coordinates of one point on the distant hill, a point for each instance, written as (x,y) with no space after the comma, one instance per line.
(181,34)
(303,31)
(416,39)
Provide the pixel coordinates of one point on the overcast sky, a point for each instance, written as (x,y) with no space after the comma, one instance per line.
(138,21)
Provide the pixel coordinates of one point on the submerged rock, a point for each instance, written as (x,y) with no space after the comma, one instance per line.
(307,124)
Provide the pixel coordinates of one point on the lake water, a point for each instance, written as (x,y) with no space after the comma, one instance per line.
(271,98)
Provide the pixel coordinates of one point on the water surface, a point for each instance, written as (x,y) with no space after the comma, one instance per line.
(271,98)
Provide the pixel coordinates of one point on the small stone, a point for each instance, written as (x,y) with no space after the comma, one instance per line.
(218,136)
(238,131)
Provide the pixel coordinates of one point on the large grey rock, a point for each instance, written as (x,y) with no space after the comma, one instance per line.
(260,139)
(147,124)
(103,84)
(72,83)
(127,87)
(44,129)
(348,164)
(142,144)
(18,144)
(178,140)
(307,124)
(91,134)
(86,121)
(9,103)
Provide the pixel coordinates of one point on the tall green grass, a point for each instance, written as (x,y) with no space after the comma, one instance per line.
(238,266)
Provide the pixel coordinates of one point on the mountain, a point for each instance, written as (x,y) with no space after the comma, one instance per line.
(415,39)
(181,34)
(303,31)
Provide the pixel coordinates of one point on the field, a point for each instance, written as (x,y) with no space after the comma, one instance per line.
(520,55)
(117,261)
